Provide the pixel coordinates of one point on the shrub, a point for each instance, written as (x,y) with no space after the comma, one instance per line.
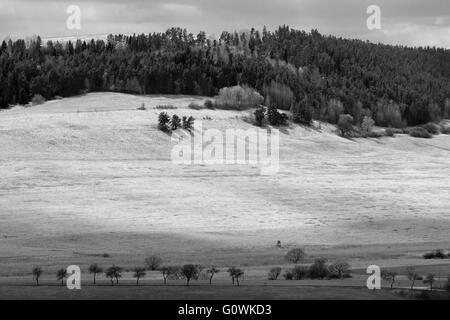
(375,134)
(367,125)
(275,117)
(445,129)
(175,123)
(278,95)
(37,99)
(301,113)
(389,115)
(419,132)
(437,254)
(345,124)
(295,255)
(142,107)
(319,269)
(287,275)
(259,116)
(333,110)
(274,273)
(431,128)
(401,293)
(238,98)
(428,255)
(195,106)
(188,123)
(208,104)
(153,262)
(299,272)
(423,295)
(163,122)
(389,132)
(165,107)
(339,270)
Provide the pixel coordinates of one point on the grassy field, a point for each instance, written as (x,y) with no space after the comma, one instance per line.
(196,292)
(91,175)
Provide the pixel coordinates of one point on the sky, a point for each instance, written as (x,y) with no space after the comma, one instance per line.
(403,22)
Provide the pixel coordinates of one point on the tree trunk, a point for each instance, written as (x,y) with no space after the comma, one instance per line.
(210,280)
(62,282)
(412,285)
(165,281)
(37,281)
(137,281)
(94,279)
(187,281)
(112,282)
(237,280)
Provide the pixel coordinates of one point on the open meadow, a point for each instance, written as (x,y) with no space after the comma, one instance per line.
(89,179)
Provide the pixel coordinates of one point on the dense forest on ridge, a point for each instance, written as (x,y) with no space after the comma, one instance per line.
(396,85)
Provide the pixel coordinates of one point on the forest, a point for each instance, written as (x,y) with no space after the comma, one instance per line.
(395,85)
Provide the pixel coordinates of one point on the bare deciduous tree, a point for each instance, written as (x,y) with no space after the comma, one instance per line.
(389,276)
(95,269)
(37,272)
(412,276)
(235,274)
(138,273)
(295,255)
(430,279)
(339,269)
(211,272)
(153,262)
(274,273)
(61,274)
(168,271)
(114,272)
(188,272)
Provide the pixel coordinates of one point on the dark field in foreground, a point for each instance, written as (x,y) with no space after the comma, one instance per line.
(215,292)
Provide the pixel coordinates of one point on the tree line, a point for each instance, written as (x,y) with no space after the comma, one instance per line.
(326,75)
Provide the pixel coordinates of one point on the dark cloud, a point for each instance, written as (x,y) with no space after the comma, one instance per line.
(410,22)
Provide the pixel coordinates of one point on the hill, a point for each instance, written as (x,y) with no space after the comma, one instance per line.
(89,175)
(394,85)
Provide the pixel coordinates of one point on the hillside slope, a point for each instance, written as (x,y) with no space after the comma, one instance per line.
(82,169)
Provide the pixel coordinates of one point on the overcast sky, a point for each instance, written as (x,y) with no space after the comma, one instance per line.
(407,22)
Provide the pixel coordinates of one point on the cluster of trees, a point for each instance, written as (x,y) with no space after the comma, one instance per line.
(167,124)
(186,272)
(413,277)
(394,85)
(319,269)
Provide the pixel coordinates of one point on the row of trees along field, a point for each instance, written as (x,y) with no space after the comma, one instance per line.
(395,85)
